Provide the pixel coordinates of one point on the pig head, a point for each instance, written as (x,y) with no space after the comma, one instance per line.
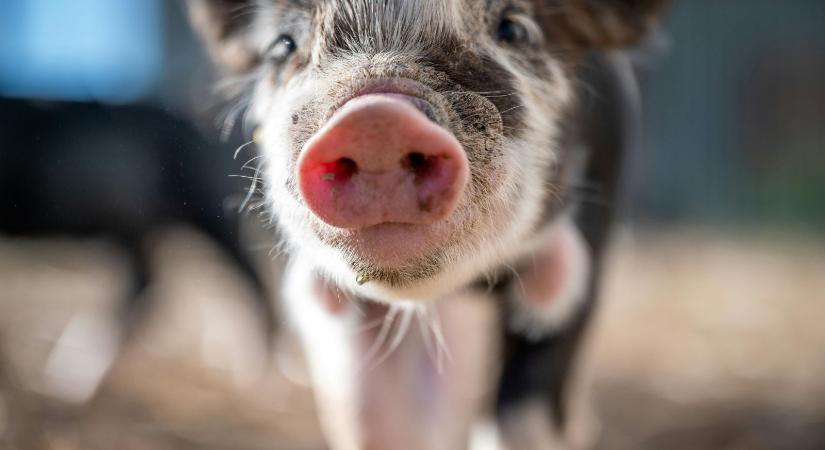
(413,150)
(411,146)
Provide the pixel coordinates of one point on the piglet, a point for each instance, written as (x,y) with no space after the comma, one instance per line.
(424,161)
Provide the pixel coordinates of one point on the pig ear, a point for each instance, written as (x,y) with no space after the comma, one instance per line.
(225,27)
(610,24)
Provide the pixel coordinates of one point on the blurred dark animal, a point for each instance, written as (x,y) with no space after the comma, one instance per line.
(117,172)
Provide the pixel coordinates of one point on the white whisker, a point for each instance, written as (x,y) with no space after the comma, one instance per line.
(386,327)
(241,148)
(443,350)
(429,345)
(400,334)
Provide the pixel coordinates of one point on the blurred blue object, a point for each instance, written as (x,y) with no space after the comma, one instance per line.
(105,50)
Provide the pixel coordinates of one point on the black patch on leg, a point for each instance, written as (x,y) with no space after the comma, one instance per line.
(541,369)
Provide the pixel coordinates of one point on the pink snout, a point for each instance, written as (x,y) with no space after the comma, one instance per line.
(380,160)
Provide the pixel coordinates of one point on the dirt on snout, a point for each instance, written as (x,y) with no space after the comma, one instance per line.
(705,341)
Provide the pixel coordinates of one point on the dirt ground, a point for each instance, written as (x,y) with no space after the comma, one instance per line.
(705,340)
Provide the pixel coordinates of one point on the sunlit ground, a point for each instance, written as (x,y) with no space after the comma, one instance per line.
(706,340)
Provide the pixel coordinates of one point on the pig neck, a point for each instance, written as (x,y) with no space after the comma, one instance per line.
(553,256)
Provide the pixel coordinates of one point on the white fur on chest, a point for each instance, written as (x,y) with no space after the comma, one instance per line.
(428,378)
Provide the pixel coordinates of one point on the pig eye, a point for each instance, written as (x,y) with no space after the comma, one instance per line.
(511,32)
(280,49)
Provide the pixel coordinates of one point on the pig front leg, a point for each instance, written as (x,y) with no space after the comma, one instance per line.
(396,377)
(326,339)
(548,304)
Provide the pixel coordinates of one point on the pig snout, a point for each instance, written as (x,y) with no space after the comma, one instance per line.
(380,160)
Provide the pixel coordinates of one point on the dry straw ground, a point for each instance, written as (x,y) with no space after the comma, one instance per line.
(705,340)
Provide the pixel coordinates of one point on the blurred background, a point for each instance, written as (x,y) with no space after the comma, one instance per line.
(133,308)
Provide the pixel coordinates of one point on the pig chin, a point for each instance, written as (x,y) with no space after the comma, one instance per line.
(394,245)
(393,254)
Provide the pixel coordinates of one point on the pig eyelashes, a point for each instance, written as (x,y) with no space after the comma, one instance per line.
(280,49)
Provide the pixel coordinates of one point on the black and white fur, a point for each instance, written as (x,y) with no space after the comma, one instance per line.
(507,75)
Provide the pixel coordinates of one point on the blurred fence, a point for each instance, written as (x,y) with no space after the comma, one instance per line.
(736,115)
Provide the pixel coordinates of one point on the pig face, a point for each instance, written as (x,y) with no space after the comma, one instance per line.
(411,146)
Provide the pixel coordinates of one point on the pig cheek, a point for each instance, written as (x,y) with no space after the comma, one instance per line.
(483,142)
(298,125)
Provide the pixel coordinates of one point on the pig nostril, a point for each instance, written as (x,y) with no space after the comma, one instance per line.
(416,161)
(347,167)
(340,170)
(419,164)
